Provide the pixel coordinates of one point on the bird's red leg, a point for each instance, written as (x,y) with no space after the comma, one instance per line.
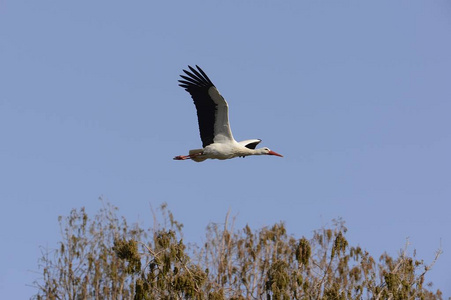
(183,157)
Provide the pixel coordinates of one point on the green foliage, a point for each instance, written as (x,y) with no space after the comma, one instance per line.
(85,265)
(104,258)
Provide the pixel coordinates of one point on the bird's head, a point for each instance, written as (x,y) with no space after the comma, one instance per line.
(267,151)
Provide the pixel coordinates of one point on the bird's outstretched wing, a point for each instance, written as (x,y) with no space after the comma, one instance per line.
(212,109)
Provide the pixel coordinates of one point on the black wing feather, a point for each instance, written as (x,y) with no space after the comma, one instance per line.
(197,84)
(194,77)
(188,79)
(205,75)
(253,145)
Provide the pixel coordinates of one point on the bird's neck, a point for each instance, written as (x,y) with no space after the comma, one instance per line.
(258,151)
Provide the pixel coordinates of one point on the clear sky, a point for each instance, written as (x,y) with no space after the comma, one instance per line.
(355,94)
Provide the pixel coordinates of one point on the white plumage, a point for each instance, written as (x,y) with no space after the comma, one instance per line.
(213,117)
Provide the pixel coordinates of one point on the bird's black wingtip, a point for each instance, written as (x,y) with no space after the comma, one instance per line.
(195,78)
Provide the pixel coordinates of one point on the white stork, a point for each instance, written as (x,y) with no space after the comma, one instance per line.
(213,117)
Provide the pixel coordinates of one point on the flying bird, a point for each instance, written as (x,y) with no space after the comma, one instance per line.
(213,117)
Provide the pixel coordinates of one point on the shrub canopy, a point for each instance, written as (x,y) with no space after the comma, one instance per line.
(103,257)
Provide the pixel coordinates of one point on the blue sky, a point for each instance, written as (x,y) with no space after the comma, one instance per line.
(355,95)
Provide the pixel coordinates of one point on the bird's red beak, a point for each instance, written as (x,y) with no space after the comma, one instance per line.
(274,153)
